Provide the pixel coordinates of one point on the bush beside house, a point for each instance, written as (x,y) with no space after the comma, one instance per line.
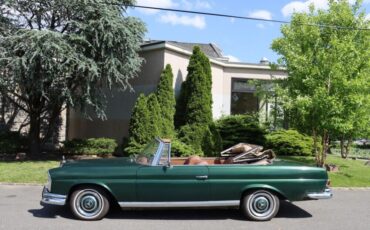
(12,142)
(91,146)
(290,143)
(240,128)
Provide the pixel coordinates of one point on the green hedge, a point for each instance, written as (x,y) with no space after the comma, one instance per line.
(91,146)
(180,149)
(240,128)
(204,139)
(12,142)
(289,143)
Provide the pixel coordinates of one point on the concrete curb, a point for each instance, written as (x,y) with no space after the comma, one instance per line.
(334,188)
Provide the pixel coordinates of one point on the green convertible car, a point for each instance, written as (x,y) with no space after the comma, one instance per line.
(155,179)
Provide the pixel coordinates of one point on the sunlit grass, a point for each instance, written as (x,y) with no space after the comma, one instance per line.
(26,172)
(352,173)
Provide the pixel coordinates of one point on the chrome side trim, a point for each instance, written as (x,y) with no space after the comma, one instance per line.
(51,198)
(327,194)
(180,204)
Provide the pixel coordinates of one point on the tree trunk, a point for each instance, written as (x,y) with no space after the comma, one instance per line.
(348,147)
(317,152)
(342,149)
(34,135)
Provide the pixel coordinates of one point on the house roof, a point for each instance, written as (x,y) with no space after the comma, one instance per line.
(210,49)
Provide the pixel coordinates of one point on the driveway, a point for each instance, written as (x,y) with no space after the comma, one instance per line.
(349,209)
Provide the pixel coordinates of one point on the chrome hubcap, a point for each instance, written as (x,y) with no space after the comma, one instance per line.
(88,203)
(261,204)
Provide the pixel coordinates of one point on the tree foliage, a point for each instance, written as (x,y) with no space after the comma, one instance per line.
(140,118)
(195,102)
(65,52)
(290,143)
(193,117)
(240,128)
(328,70)
(145,124)
(166,100)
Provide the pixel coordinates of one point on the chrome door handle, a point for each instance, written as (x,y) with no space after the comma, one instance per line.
(204,177)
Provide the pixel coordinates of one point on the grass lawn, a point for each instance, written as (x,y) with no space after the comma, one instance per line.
(352,173)
(26,172)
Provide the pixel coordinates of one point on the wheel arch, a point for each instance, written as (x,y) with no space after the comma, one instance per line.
(255,187)
(112,199)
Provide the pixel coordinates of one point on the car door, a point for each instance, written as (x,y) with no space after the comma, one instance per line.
(164,183)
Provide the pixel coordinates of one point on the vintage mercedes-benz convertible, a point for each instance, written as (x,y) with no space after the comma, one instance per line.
(155,179)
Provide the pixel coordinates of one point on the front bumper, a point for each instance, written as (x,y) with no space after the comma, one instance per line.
(327,194)
(51,198)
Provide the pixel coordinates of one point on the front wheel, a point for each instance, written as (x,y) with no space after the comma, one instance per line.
(260,205)
(89,203)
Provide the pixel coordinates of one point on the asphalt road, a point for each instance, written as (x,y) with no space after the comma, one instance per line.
(349,209)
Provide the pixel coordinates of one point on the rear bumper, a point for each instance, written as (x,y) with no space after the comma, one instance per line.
(51,198)
(327,194)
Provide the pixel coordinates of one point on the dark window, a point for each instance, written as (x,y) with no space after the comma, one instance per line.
(243,99)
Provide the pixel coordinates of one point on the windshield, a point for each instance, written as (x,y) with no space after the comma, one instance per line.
(147,155)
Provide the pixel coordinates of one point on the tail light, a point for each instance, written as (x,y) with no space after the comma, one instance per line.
(328,183)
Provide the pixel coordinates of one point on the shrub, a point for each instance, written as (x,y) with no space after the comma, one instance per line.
(240,128)
(194,105)
(91,146)
(204,139)
(180,149)
(166,100)
(290,142)
(12,142)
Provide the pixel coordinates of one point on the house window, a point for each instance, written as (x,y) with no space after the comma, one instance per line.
(243,99)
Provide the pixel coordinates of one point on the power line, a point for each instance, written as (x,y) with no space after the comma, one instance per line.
(210,14)
(246,18)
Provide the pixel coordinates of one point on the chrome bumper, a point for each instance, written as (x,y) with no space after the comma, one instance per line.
(327,194)
(51,198)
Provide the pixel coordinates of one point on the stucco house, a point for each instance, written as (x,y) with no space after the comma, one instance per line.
(230,90)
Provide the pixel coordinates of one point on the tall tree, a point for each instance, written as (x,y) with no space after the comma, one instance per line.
(138,129)
(194,108)
(65,53)
(196,96)
(166,100)
(145,123)
(328,68)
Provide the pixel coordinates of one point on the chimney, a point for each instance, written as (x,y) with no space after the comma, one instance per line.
(264,61)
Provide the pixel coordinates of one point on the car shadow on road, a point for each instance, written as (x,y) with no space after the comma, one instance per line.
(287,210)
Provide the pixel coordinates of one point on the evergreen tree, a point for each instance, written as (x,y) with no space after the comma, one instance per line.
(138,130)
(194,107)
(166,100)
(63,52)
(154,125)
(196,96)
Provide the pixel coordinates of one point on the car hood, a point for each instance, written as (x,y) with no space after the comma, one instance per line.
(111,162)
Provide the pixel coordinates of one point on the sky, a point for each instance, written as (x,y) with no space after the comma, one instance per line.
(240,40)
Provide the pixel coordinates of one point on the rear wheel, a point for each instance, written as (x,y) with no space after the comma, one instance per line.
(260,205)
(89,203)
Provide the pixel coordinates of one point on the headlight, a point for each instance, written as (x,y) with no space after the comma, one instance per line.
(48,183)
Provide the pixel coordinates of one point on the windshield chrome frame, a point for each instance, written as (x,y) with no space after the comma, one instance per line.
(158,153)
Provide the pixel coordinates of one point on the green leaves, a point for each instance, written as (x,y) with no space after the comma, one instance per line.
(166,100)
(63,52)
(328,69)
